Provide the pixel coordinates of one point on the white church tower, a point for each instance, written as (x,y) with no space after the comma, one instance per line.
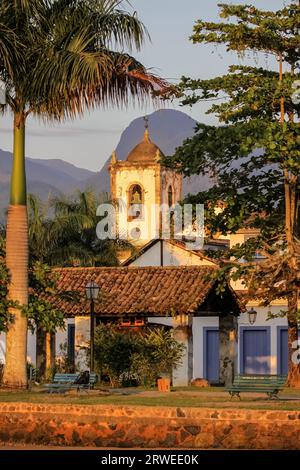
(139,186)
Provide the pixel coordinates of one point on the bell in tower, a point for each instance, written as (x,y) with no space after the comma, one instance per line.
(136,198)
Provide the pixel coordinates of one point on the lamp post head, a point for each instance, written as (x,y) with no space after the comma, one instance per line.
(92,290)
(252,315)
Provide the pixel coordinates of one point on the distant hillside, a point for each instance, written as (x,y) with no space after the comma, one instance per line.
(48,177)
(44,177)
(168,129)
(72,171)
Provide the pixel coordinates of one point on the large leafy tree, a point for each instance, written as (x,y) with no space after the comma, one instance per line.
(254,153)
(67,57)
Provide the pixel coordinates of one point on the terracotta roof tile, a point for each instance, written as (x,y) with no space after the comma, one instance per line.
(154,291)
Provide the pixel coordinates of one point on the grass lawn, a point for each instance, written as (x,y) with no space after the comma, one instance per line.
(180,397)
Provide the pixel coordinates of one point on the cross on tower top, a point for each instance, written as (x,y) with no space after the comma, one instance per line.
(146,120)
(146,124)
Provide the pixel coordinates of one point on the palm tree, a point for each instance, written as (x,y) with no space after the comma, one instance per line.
(62,232)
(70,61)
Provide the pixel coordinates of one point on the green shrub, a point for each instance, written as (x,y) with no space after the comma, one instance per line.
(113,350)
(63,363)
(131,357)
(160,353)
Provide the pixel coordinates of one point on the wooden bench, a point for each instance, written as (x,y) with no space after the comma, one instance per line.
(269,384)
(65,382)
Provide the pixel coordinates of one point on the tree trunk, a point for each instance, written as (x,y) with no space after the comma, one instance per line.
(50,350)
(294,365)
(41,353)
(15,374)
(45,352)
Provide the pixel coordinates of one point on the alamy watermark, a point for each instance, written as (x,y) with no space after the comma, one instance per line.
(2,93)
(139,222)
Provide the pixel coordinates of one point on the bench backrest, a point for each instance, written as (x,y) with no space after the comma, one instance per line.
(261,380)
(93,378)
(70,378)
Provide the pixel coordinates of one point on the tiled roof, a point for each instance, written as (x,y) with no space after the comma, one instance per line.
(153,291)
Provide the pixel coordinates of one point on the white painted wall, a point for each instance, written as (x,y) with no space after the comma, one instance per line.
(31,348)
(172,256)
(145,177)
(150,258)
(82,338)
(61,337)
(173,179)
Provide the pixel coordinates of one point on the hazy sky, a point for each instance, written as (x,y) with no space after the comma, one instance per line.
(87,142)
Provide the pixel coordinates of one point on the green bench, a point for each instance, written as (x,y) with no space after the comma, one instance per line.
(65,382)
(269,384)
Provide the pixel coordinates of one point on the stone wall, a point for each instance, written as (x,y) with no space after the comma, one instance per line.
(151,427)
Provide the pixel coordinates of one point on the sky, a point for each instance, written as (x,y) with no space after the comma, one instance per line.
(87,142)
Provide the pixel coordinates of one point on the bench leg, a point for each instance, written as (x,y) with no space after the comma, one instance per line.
(273,395)
(84,389)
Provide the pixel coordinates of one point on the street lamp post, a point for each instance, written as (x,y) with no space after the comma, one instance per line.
(92,292)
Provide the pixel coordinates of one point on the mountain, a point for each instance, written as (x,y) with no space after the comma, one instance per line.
(70,170)
(45,177)
(168,129)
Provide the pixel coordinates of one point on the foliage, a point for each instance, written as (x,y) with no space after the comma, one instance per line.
(159,354)
(60,57)
(63,232)
(63,364)
(5,303)
(113,350)
(142,355)
(254,154)
(41,310)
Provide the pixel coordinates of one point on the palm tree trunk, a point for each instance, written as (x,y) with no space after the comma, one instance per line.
(15,375)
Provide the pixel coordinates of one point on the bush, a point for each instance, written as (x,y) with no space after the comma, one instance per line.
(113,351)
(130,357)
(160,353)
(63,364)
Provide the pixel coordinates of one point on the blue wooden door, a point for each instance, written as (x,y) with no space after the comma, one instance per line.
(211,355)
(283,350)
(255,350)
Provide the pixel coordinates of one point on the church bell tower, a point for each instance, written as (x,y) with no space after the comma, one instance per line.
(139,186)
